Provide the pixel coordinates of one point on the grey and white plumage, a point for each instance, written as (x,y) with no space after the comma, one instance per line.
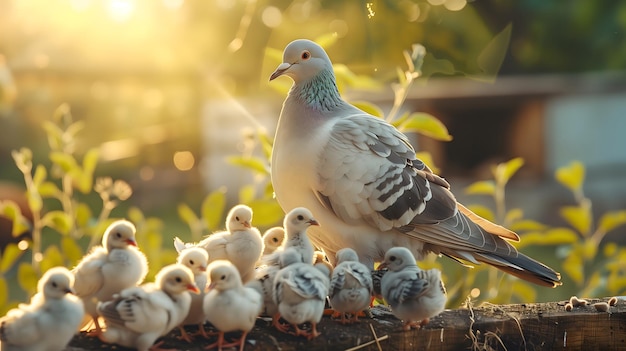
(196,259)
(51,319)
(240,243)
(361,178)
(350,285)
(138,316)
(300,291)
(414,295)
(229,305)
(108,269)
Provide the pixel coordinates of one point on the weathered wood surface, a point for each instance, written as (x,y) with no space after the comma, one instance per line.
(541,326)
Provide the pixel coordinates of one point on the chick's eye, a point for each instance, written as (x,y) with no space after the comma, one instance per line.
(300,217)
(54,285)
(118,234)
(223,277)
(237,218)
(392,258)
(178,280)
(275,240)
(306,55)
(191,262)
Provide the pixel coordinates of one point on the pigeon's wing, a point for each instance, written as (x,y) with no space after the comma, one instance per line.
(309,282)
(88,274)
(337,281)
(406,285)
(138,312)
(361,274)
(368,172)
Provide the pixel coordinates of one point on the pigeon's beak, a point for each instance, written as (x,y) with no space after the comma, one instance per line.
(313,222)
(280,70)
(193,288)
(131,242)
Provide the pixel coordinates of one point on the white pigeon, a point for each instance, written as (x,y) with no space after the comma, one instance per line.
(361,178)
(415,295)
(51,319)
(350,285)
(240,243)
(138,316)
(300,291)
(273,239)
(196,259)
(108,269)
(296,223)
(229,305)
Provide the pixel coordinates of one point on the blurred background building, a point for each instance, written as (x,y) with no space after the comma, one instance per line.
(169,88)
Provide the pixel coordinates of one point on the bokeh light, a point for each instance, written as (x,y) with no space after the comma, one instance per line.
(184,160)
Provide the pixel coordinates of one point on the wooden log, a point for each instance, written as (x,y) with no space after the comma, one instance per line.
(536,326)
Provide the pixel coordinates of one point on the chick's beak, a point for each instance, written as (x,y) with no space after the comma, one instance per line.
(193,288)
(280,70)
(70,291)
(314,222)
(247,224)
(210,286)
(383,265)
(131,242)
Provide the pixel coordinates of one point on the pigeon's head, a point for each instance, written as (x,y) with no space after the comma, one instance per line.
(56,283)
(397,258)
(346,255)
(223,275)
(302,60)
(195,258)
(273,238)
(119,235)
(298,220)
(239,218)
(176,279)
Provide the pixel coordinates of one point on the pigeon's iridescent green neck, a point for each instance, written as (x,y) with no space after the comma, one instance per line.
(319,93)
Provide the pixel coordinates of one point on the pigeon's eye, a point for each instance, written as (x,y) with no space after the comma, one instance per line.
(300,217)
(305,55)
(178,279)
(223,277)
(392,258)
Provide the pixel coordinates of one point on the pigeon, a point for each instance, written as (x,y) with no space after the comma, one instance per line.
(51,319)
(272,239)
(240,243)
(296,223)
(108,269)
(300,291)
(196,259)
(415,295)
(229,305)
(362,179)
(350,285)
(138,316)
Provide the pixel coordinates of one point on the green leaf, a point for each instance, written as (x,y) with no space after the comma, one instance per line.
(9,257)
(513,215)
(573,267)
(266,144)
(491,58)
(72,130)
(83,215)
(555,236)
(267,212)
(527,225)
(59,221)
(571,176)
(135,215)
(612,220)
(4,293)
(27,277)
(483,212)
(504,171)
(213,209)
(326,40)
(65,161)
(48,189)
(71,250)
(368,107)
(247,193)
(11,210)
(34,200)
(426,124)
(254,163)
(483,187)
(579,217)
(187,215)
(90,161)
(55,135)
(433,65)
(524,291)
(40,175)
(52,257)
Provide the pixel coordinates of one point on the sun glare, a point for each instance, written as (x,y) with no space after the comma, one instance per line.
(121,10)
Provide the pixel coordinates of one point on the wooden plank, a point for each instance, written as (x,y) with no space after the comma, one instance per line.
(540,326)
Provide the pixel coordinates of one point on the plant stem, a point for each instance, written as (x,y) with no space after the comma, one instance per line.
(37,225)
(400,97)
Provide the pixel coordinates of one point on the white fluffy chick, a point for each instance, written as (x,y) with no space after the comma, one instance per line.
(240,243)
(350,285)
(414,295)
(196,259)
(51,319)
(272,239)
(229,305)
(296,223)
(138,316)
(108,269)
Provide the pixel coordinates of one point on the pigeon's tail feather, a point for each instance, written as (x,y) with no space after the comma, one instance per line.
(523,267)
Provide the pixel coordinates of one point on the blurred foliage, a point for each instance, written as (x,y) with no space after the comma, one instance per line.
(64,226)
